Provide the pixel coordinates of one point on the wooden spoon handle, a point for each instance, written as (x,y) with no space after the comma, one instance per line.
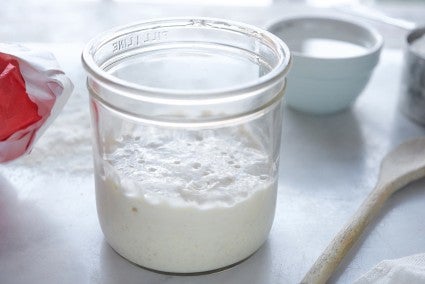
(325,265)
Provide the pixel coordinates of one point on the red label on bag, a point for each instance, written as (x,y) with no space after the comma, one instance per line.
(17,111)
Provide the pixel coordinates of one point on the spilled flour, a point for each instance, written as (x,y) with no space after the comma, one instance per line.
(65,147)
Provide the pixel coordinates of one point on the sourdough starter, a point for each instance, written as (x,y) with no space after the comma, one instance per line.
(185,204)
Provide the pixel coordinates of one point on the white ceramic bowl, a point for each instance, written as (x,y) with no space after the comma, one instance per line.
(333,60)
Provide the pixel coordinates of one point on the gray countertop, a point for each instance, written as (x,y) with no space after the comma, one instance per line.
(49,231)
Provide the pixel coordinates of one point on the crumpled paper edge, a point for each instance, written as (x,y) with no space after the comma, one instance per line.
(33,63)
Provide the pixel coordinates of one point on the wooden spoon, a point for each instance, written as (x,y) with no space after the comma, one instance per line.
(401,166)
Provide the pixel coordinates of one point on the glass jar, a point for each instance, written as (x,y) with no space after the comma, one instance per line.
(186,119)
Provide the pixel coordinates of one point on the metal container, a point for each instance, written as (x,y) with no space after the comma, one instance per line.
(413,79)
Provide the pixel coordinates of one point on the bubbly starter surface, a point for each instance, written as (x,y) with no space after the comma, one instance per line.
(186,204)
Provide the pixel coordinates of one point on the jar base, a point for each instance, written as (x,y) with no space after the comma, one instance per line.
(216,270)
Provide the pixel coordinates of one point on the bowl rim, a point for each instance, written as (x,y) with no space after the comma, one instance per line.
(375,35)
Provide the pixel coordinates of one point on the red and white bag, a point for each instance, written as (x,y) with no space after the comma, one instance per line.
(33,90)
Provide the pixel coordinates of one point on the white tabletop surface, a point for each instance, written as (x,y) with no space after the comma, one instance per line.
(49,231)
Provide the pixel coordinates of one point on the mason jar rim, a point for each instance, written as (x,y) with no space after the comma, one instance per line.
(147,93)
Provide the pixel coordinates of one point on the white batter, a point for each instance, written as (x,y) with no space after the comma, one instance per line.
(186,204)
